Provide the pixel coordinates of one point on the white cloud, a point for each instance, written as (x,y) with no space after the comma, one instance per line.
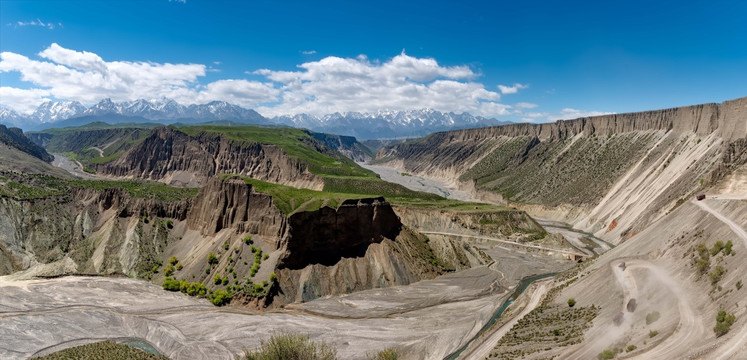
(511,89)
(21,100)
(335,84)
(329,85)
(525,105)
(308,52)
(569,113)
(38,22)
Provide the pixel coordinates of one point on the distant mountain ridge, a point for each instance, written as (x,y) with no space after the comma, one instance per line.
(377,125)
(72,113)
(387,124)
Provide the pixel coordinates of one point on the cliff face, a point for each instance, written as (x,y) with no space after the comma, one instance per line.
(346,145)
(327,235)
(359,245)
(629,169)
(174,157)
(14,137)
(233,204)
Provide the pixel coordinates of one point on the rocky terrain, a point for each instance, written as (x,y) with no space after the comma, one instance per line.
(176,158)
(670,287)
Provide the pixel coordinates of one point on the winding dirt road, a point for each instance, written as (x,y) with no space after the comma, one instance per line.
(735,345)
(489,343)
(505,242)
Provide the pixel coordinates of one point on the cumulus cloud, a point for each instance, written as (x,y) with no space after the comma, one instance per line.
(332,84)
(335,84)
(21,100)
(511,89)
(86,77)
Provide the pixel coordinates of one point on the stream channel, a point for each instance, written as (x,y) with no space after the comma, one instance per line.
(446,190)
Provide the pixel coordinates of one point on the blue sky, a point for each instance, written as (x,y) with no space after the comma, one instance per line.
(555,59)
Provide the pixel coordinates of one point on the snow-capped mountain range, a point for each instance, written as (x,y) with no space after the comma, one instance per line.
(378,125)
(387,124)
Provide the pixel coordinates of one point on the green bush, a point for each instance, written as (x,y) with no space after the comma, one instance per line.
(273,277)
(723,323)
(171,284)
(652,333)
(571,302)
(727,248)
(169,270)
(608,354)
(291,346)
(717,274)
(652,317)
(173,260)
(225,280)
(386,354)
(220,297)
(217,280)
(630,348)
(212,259)
(717,247)
(248,240)
(739,285)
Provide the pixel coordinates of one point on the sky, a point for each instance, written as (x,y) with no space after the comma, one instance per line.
(533,61)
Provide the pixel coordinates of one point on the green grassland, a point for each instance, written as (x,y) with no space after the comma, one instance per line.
(289,199)
(77,142)
(297,143)
(34,186)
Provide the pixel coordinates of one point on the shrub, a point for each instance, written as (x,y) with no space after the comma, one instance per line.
(212,259)
(291,346)
(723,323)
(739,285)
(220,297)
(652,333)
(248,240)
(630,348)
(169,270)
(571,302)
(225,245)
(652,317)
(265,256)
(727,248)
(716,274)
(386,354)
(207,271)
(171,284)
(169,224)
(173,260)
(717,247)
(217,280)
(273,277)
(235,249)
(225,280)
(179,266)
(607,354)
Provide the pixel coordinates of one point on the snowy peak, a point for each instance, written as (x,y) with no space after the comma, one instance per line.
(387,123)
(51,111)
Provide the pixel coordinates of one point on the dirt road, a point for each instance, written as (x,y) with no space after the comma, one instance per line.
(734,346)
(488,344)
(505,242)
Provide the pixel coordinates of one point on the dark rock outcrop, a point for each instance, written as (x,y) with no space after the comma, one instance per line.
(15,138)
(327,235)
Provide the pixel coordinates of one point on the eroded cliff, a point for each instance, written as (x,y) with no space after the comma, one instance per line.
(176,158)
